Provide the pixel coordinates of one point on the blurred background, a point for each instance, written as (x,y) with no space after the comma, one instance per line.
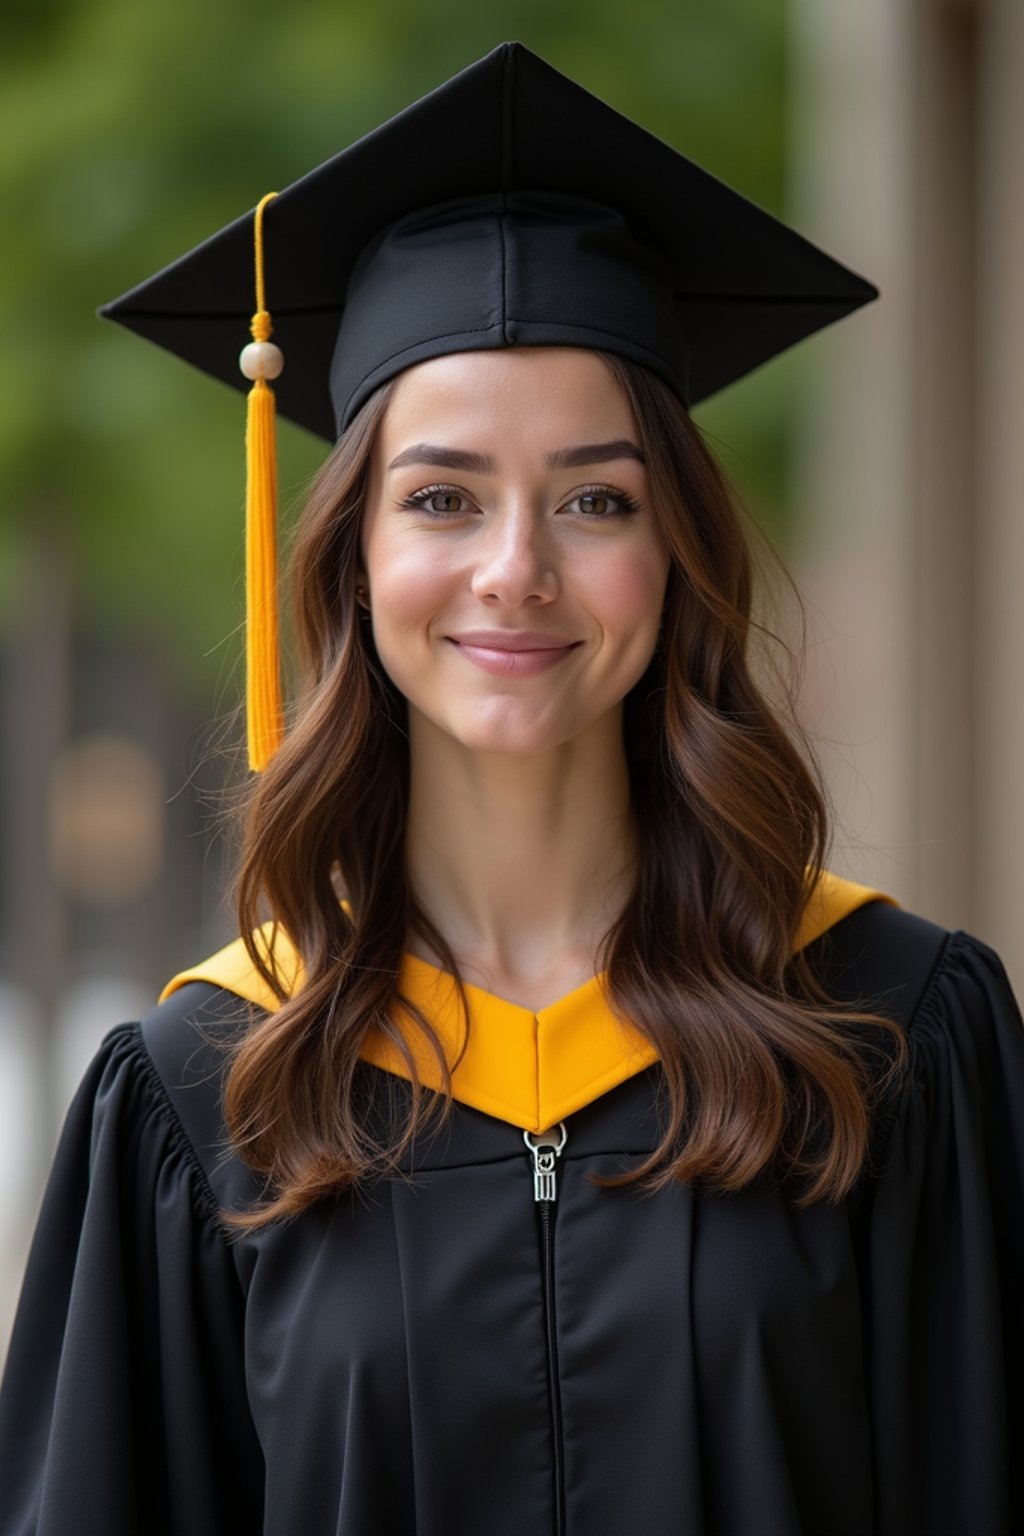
(883,457)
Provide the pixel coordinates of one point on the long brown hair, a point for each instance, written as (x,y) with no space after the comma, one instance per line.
(762,1073)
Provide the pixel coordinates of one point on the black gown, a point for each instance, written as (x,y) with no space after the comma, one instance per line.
(448,1355)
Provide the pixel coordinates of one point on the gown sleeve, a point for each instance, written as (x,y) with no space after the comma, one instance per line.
(123,1408)
(945,1264)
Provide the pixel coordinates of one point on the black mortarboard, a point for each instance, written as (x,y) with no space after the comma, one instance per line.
(508,207)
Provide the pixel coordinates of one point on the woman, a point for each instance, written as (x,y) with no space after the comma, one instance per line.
(599,1162)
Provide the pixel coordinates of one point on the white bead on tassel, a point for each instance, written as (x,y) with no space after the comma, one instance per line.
(261,360)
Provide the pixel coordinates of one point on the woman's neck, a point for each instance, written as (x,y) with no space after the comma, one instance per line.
(521,862)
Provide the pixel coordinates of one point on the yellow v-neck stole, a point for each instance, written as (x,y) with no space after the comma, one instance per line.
(531,1069)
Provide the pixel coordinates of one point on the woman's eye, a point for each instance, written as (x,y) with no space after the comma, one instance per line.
(600,503)
(593,504)
(437,501)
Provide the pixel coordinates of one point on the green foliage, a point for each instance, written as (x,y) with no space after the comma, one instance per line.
(131,131)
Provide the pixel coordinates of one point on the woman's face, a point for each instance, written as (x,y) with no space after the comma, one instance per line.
(516,572)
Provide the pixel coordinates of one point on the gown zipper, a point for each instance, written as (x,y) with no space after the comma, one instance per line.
(545,1149)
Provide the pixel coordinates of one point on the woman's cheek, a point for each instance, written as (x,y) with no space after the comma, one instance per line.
(411,588)
(631,592)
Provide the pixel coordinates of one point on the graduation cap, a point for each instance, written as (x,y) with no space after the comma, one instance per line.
(509,207)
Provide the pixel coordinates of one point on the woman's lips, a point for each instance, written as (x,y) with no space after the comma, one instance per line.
(516,656)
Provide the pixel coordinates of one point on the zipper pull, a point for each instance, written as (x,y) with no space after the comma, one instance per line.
(544,1149)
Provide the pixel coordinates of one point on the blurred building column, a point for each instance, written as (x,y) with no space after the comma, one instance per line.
(1000,560)
(851,191)
(905,131)
(36,716)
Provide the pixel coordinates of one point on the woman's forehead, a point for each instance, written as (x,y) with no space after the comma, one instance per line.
(554,396)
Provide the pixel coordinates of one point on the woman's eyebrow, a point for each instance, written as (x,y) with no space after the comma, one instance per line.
(483,464)
(593,453)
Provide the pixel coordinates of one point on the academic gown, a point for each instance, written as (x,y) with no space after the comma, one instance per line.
(493,1347)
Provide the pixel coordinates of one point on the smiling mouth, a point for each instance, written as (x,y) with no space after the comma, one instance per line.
(525,659)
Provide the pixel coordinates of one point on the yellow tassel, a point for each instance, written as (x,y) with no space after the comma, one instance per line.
(263,686)
(260,361)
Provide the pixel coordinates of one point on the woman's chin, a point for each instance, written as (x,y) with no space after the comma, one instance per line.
(511,731)
(512,743)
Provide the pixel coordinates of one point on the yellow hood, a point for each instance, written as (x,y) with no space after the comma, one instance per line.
(531,1069)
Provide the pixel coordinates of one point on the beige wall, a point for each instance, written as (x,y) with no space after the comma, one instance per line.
(907,136)
(1000,481)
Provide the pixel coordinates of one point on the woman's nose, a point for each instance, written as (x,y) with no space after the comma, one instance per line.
(515,561)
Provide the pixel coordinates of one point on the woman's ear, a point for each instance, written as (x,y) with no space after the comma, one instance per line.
(362,591)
